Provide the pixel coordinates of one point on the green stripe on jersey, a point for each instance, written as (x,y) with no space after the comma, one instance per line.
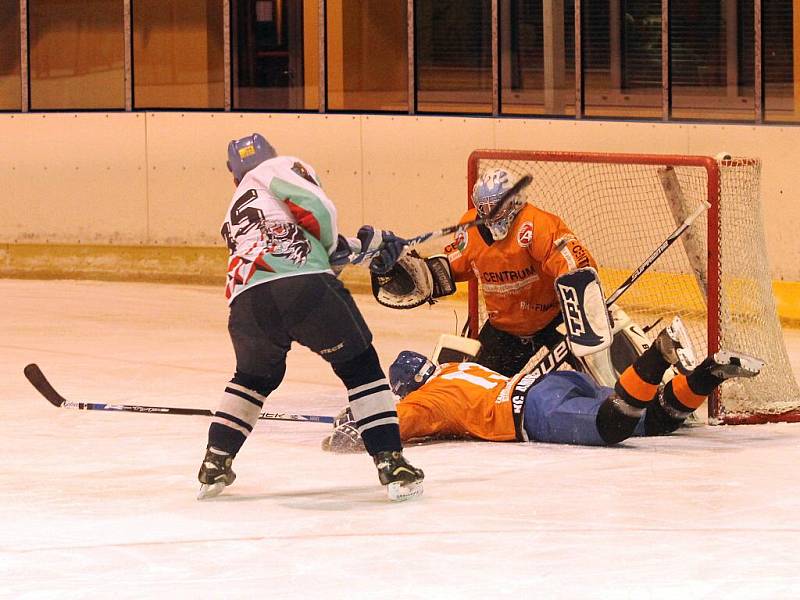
(309,201)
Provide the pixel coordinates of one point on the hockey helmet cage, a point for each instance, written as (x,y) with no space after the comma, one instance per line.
(409,371)
(247,153)
(486,193)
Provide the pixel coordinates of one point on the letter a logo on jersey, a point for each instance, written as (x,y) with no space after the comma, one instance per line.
(525,234)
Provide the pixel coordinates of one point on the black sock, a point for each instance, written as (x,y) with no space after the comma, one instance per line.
(612,422)
(371,401)
(701,381)
(651,365)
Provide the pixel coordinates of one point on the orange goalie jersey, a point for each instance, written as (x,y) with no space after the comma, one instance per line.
(460,399)
(517,273)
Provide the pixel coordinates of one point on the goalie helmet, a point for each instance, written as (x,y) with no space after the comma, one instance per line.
(487,193)
(409,371)
(247,153)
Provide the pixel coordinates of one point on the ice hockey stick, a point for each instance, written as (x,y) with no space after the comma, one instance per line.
(45,388)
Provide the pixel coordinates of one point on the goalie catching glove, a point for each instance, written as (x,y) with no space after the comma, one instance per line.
(585,313)
(345,437)
(413,281)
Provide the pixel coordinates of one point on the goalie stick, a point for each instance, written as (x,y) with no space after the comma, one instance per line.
(503,200)
(557,355)
(44,387)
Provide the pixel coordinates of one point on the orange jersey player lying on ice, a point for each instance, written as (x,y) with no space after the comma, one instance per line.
(518,256)
(467,400)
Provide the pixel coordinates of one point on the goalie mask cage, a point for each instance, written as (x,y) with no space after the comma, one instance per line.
(716,277)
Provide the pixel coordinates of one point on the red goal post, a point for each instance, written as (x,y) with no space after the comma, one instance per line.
(622,206)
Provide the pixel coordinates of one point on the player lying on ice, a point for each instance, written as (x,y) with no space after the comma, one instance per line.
(466,400)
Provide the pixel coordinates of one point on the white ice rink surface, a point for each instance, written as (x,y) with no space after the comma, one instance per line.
(102,505)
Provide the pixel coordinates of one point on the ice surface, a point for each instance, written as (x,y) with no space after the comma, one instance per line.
(102,505)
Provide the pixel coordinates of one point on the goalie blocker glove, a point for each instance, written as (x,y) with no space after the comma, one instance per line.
(585,313)
(414,281)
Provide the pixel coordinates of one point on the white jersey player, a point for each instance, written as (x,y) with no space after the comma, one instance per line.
(281,232)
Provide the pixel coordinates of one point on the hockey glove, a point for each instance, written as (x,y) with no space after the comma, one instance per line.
(390,246)
(340,257)
(345,437)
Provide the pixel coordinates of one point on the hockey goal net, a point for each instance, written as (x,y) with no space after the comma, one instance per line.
(716,277)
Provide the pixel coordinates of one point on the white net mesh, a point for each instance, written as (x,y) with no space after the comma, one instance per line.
(622,207)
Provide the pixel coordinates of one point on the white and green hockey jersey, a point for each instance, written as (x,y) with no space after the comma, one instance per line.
(280,223)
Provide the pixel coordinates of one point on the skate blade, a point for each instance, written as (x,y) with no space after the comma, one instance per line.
(399,491)
(209,490)
(732,364)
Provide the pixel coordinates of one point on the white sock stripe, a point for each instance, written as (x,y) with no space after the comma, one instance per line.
(239,408)
(366,386)
(373,404)
(386,421)
(248,391)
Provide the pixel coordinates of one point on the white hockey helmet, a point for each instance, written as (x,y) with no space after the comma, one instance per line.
(486,193)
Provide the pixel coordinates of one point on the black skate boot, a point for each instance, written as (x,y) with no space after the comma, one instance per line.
(676,346)
(727,364)
(402,480)
(215,474)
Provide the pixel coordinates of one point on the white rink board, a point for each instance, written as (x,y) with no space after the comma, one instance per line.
(159,178)
(100,504)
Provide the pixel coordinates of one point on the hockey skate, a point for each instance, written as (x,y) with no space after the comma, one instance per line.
(402,480)
(727,364)
(215,474)
(676,346)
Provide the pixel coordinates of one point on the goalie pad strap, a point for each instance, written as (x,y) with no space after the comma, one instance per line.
(585,313)
(443,283)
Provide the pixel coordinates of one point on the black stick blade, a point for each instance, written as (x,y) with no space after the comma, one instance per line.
(39,381)
(508,197)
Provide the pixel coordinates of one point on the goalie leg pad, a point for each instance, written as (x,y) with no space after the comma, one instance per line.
(628,344)
(585,313)
(454,348)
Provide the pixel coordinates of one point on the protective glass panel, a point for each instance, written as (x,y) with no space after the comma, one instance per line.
(712,59)
(622,58)
(537,57)
(780,24)
(10,84)
(77,54)
(367,55)
(453,55)
(276,54)
(178,54)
